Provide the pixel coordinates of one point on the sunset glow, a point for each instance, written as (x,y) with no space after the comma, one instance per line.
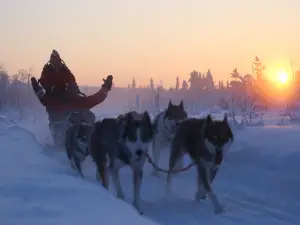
(282,77)
(148,39)
(100,101)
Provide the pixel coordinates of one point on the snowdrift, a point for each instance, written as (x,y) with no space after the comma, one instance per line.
(35,189)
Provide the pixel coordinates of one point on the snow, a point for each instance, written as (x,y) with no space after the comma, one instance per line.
(36,189)
(258,183)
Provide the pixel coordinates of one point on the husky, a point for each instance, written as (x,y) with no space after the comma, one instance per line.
(165,125)
(205,141)
(121,141)
(77,140)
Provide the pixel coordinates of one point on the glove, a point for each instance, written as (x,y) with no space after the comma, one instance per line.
(37,88)
(108,82)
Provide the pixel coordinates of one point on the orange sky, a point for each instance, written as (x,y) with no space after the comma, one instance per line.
(143,39)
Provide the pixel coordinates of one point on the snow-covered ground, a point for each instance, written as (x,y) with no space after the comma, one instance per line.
(258,183)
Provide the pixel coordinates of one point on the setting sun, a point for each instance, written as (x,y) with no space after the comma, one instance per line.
(283,77)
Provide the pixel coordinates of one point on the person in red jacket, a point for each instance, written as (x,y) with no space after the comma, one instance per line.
(56,77)
(58,91)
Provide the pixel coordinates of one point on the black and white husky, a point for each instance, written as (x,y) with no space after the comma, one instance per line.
(205,141)
(165,125)
(121,141)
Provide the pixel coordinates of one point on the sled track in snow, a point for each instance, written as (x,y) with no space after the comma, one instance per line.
(261,209)
(251,206)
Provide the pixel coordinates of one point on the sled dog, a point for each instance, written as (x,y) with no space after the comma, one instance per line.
(204,140)
(165,125)
(77,140)
(121,141)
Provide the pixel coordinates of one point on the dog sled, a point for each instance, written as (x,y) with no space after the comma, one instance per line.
(60,121)
(59,128)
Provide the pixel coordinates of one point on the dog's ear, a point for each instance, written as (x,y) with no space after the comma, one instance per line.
(181,104)
(120,116)
(208,120)
(121,120)
(170,103)
(125,119)
(146,117)
(129,117)
(225,120)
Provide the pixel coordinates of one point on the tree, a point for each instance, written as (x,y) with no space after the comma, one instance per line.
(235,75)
(258,69)
(24,76)
(194,78)
(227,84)
(171,89)
(4,81)
(209,83)
(151,83)
(177,84)
(221,85)
(249,80)
(4,78)
(160,86)
(133,85)
(184,85)
(241,83)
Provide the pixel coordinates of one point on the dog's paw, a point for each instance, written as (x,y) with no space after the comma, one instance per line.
(219,209)
(80,173)
(139,210)
(137,207)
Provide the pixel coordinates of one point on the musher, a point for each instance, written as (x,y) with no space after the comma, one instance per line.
(58,91)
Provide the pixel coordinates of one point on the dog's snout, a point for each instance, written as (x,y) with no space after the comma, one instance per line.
(139,152)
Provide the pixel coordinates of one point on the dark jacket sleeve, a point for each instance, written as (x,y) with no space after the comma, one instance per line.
(81,103)
(45,79)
